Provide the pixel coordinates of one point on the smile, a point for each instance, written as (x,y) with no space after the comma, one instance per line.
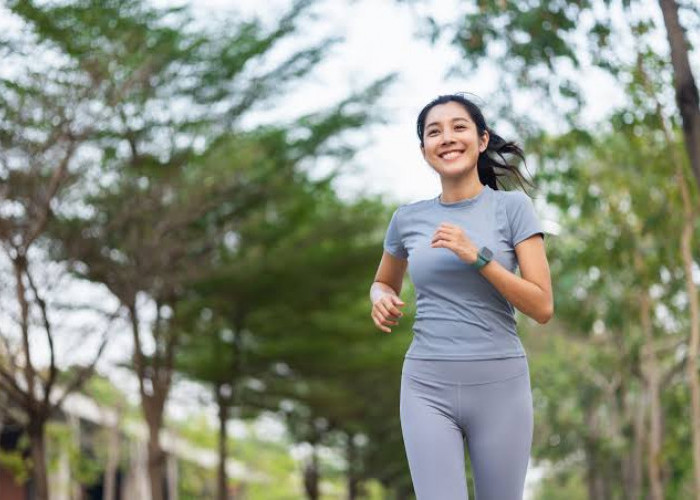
(451,155)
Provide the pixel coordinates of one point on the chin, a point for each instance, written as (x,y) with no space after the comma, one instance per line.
(452,172)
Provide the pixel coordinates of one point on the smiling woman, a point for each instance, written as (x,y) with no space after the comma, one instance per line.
(465,376)
(452,130)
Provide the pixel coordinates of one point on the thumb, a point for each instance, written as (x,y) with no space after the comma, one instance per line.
(397,301)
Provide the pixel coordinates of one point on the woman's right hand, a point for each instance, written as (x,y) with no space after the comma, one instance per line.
(385,311)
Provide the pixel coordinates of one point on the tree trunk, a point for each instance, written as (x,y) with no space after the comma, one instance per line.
(403,493)
(156,465)
(594,479)
(351,458)
(692,291)
(311,476)
(652,378)
(654,465)
(635,459)
(153,407)
(684,83)
(20,268)
(113,453)
(152,404)
(687,256)
(222,480)
(594,467)
(38,454)
(693,344)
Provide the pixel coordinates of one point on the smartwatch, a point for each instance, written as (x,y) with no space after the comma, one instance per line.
(484,256)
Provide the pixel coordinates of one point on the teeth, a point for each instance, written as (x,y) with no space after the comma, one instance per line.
(450,155)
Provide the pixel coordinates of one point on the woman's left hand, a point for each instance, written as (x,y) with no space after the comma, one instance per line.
(453,238)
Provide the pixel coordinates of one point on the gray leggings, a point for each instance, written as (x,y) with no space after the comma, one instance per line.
(488,403)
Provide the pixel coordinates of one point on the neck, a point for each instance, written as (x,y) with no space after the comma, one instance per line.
(461,188)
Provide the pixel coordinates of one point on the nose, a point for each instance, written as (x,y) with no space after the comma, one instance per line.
(447,136)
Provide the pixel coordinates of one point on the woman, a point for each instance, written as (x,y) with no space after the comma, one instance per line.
(465,377)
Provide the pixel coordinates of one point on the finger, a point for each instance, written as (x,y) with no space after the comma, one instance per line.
(392,318)
(385,317)
(441,244)
(378,324)
(391,310)
(395,312)
(446,246)
(438,237)
(443,234)
(382,309)
(388,319)
(397,300)
(451,229)
(391,306)
(383,328)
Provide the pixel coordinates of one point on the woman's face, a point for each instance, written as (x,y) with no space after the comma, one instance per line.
(451,142)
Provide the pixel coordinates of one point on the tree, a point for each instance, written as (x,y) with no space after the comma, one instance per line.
(613,192)
(688,103)
(290,261)
(46,119)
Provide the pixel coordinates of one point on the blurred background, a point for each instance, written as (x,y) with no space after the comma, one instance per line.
(193,197)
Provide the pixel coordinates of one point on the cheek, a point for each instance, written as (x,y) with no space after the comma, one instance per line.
(431,145)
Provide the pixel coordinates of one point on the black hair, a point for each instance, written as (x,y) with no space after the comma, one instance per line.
(494,156)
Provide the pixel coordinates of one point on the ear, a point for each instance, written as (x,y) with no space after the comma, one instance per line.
(484,141)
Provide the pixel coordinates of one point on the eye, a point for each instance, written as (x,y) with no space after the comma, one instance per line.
(460,127)
(432,132)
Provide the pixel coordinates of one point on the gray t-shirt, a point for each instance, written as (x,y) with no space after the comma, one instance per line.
(460,315)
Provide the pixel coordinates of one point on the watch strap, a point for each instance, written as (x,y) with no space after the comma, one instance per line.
(481,259)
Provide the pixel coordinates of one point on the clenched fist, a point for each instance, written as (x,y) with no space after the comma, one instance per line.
(385,311)
(453,238)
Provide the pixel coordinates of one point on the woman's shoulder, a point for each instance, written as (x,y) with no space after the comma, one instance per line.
(513,200)
(513,194)
(416,206)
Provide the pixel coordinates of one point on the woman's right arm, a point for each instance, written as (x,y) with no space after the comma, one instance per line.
(384,292)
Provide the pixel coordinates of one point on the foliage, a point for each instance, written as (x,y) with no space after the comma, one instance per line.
(16,461)
(63,441)
(195,482)
(568,484)
(541,49)
(611,190)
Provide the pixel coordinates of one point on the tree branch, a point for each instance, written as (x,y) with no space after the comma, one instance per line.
(19,263)
(13,389)
(85,372)
(54,184)
(49,335)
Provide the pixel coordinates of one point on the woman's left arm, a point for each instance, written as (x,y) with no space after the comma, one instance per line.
(531,292)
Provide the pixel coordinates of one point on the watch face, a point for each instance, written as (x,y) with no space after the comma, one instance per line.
(486,252)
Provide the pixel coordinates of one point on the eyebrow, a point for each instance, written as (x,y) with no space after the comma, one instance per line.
(453,120)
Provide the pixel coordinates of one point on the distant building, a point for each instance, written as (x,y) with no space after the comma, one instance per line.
(126,450)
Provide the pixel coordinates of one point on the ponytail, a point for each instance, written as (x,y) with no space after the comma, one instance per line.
(494,157)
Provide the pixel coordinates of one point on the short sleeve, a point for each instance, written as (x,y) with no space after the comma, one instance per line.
(522,218)
(392,239)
